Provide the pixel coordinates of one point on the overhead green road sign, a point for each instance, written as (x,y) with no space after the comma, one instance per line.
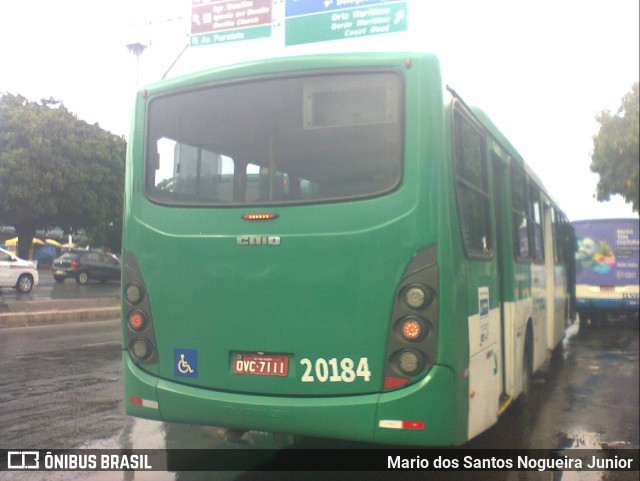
(230,20)
(294,22)
(324,20)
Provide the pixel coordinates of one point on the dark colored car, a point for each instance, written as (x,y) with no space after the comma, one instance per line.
(84,266)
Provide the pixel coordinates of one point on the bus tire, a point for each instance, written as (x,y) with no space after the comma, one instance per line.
(523,402)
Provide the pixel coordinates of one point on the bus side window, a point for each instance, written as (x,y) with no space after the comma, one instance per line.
(555,242)
(472,189)
(520,212)
(536,211)
(185,173)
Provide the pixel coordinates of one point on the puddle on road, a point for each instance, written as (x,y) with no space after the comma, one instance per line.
(587,441)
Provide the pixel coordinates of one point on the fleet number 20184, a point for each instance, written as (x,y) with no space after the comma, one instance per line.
(335,370)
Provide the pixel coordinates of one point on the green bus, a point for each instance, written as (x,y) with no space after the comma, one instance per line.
(334,246)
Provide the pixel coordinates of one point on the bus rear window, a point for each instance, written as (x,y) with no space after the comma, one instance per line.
(277,141)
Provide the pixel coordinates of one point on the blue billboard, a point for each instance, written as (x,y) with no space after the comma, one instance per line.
(607,252)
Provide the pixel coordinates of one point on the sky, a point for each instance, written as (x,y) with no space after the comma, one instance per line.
(541,70)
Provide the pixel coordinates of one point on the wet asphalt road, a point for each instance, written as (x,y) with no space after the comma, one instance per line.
(60,387)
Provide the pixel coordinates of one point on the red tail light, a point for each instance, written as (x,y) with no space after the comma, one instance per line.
(75,263)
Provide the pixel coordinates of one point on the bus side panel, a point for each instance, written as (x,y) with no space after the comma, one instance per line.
(484,373)
(539,314)
(557,317)
(474,271)
(515,322)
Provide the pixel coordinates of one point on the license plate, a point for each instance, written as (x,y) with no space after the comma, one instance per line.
(59,273)
(260,364)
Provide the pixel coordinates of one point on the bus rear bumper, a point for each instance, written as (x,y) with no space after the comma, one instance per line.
(420,414)
(621,304)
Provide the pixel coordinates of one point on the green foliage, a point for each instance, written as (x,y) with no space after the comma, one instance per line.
(57,170)
(615,157)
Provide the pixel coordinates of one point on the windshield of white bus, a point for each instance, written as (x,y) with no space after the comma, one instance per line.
(277,141)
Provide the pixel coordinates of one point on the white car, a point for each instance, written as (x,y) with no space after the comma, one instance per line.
(16,272)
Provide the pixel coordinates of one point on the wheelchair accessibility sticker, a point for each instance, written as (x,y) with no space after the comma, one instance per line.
(185,362)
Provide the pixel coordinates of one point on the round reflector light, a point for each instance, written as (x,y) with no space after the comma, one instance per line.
(411,329)
(140,349)
(133,293)
(409,362)
(415,297)
(137,320)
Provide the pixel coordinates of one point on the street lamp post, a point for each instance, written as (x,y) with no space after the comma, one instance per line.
(136,49)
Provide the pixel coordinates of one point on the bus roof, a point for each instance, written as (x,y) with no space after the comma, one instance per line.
(302,62)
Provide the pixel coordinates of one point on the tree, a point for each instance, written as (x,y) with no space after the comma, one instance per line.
(57,170)
(615,156)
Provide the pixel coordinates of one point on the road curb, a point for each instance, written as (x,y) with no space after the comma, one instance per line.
(27,319)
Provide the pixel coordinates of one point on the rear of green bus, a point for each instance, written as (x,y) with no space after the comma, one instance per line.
(281,249)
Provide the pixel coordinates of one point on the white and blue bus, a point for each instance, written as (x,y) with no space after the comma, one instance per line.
(607,269)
